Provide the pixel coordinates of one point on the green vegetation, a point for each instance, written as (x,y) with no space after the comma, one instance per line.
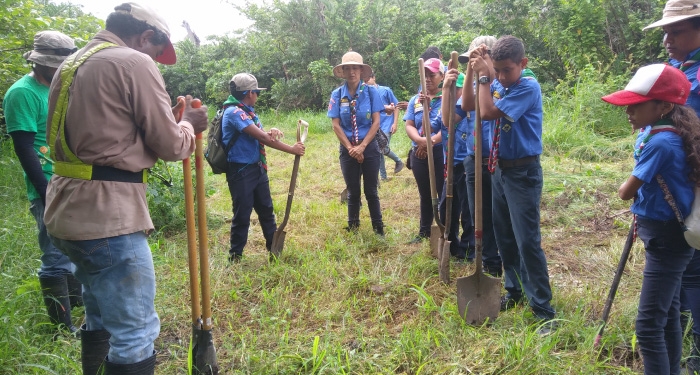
(340,303)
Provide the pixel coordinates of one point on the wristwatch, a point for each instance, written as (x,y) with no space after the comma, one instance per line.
(484,80)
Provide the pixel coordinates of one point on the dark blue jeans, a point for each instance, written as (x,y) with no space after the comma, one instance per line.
(658,317)
(368,172)
(459,246)
(53,261)
(419,167)
(516,216)
(250,190)
(491,258)
(690,291)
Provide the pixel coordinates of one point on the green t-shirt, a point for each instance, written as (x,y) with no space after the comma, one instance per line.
(26,107)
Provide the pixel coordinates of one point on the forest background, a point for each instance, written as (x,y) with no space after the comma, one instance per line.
(387,312)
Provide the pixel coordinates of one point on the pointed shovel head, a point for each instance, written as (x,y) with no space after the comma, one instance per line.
(435,236)
(478,298)
(277,243)
(205,355)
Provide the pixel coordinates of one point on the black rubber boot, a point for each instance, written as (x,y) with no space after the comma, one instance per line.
(693,364)
(145,367)
(75,290)
(94,346)
(378,228)
(55,291)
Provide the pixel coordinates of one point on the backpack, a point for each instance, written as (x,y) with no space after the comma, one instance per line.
(691,223)
(216,152)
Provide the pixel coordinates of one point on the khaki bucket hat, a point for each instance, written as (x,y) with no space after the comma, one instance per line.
(352,58)
(676,11)
(50,48)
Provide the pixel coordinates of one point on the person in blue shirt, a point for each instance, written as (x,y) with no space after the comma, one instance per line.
(354,112)
(681,28)
(514,102)
(667,156)
(246,172)
(418,155)
(388,119)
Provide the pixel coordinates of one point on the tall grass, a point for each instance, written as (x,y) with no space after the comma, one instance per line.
(342,303)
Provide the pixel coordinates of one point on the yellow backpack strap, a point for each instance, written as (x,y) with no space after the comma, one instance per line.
(73,167)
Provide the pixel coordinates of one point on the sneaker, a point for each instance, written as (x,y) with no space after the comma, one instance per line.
(508,303)
(398,167)
(548,327)
(417,239)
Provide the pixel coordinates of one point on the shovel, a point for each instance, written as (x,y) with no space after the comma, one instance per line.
(437,229)
(278,237)
(202,354)
(448,115)
(615,283)
(478,295)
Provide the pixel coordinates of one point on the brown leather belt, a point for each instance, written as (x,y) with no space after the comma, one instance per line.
(512,163)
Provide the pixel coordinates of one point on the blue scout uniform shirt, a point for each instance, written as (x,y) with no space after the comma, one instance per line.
(521,128)
(485,132)
(461,134)
(661,154)
(692,74)
(388,97)
(415,112)
(368,102)
(246,150)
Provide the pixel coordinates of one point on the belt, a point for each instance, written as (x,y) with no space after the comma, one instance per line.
(484,161)
(512,163)
(99,172)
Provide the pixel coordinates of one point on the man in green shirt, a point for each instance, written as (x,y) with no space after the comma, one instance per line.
(26,109)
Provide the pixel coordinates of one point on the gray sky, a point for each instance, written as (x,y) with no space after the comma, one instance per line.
(206,17)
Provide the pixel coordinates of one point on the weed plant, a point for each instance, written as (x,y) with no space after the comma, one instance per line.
(355,303)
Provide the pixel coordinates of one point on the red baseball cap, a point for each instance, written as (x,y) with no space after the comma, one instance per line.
(653,82)
(434,65)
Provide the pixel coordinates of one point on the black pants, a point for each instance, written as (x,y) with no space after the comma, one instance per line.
(459,247)
(368,172)
(250,189)
(419,167)
(491,258)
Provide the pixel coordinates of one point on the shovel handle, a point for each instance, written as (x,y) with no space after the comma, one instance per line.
(449,116)
(616,282)
(302,124)
(301,137)
(478,184)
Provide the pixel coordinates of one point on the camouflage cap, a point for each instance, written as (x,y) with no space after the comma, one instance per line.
(50,48)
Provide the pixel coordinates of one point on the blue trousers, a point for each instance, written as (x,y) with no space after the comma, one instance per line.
(658,317)
(250,190)
(119,289)
(459,246)
(368,173)
(419,167)
(53,261)
(391,155)
(491,258)
(516,220)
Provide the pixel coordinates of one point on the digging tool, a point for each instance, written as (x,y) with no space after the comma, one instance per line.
(478,295)
(278,237)
(202,354)
(616,281)
(437,229)
(448,116)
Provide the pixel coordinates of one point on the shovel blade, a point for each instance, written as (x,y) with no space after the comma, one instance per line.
(204,355)
(435,236)
(478,298)
(277,243)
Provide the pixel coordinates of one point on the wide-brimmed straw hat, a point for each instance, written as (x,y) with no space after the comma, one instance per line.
(676,11)
(50,48)
(352,58)
(653,82)
(478,41)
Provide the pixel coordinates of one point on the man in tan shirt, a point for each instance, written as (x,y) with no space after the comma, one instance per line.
(109,121)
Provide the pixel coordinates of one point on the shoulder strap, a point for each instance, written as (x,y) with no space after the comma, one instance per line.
(672,202)
(233,140)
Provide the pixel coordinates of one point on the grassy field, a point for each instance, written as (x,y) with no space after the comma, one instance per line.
(340,303)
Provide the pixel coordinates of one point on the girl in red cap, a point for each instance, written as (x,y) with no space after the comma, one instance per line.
(667,157)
